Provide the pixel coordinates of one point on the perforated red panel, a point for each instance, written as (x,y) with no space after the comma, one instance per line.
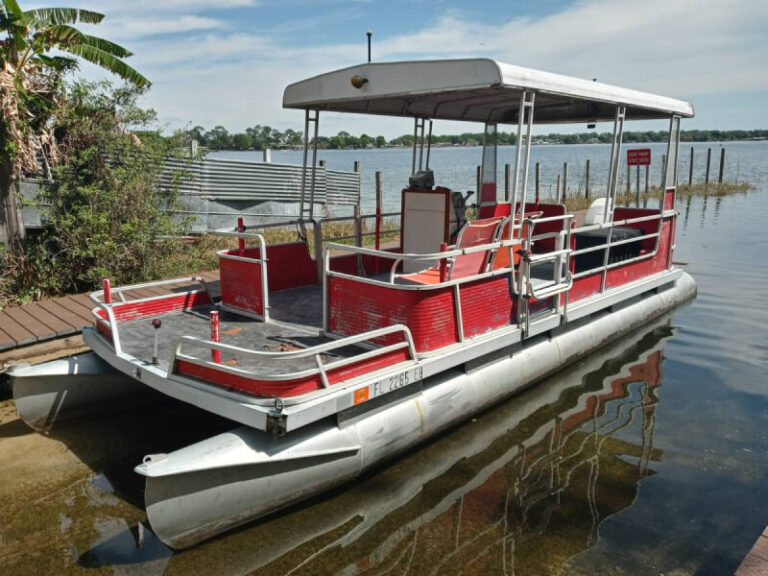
(241,284)
(356,307)
(485,306)
(288,265)
(125,311)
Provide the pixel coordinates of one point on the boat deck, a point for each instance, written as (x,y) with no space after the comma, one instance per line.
(296,324)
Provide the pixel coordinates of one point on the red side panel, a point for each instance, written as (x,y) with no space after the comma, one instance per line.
(135,310)
(356,307)
(485,305)
(241,284)
(347,263)
(288,265)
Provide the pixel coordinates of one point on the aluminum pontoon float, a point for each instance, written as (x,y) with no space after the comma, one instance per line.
(336,363)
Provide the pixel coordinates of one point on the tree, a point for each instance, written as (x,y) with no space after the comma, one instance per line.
(31,91)
(110,207)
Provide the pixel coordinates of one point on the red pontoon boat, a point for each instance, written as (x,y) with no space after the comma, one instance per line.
(334,357)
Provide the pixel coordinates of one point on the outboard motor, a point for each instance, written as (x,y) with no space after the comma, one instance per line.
(422,180)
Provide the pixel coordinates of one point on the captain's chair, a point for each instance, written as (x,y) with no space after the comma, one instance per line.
(475,233)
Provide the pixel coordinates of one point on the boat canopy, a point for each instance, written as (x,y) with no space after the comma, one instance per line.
(478,90)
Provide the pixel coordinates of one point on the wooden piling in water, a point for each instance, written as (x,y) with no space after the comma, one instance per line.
(506,183)
(538,180)
(557,189)
(709,161)
(722,166)
(565,180)
(478,185)
(690,170)
(647,172)
(586,184)
(379,210)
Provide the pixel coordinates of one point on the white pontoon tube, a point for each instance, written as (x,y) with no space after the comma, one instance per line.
(207,488)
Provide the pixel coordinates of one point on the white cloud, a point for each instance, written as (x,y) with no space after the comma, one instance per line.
(137,28)
(683,48)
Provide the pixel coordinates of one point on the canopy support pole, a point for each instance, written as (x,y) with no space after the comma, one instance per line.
(306,213)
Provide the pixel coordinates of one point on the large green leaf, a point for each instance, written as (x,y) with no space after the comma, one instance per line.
(107,61)
(42,16)
(106,46)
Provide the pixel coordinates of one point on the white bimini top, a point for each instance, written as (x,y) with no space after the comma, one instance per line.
(478,89)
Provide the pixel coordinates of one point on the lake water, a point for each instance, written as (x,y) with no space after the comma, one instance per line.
(650,457)
(455,167)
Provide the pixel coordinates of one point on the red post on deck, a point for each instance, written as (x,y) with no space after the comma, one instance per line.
(240,241)
(107,292)
(215,353)
(443,263)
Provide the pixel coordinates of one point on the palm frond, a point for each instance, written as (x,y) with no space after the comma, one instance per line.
(62,16)
(106,46)
(109,62)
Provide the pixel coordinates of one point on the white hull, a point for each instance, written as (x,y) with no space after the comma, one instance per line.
(207,488)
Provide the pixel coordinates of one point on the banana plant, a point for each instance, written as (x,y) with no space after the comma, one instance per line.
(37,47)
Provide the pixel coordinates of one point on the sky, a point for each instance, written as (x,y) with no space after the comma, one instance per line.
(227,62)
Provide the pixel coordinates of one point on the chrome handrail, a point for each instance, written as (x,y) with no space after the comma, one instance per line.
(314,351)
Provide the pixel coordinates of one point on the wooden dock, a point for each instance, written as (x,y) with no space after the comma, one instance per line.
(756,562)
(24,328)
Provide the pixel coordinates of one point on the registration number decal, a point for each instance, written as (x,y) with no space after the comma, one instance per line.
(392,383)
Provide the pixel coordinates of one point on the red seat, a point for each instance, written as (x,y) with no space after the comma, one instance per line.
(475,233)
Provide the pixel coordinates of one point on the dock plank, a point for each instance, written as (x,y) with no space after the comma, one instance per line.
(756,562)
(10,326)
(39,329)
(6,342)
(62,313)
(54,323)
(77,309)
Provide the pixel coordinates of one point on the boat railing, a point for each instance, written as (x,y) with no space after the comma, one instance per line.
(121,291)
(321,370)
(610,242)
(428,258)
(560,256)
(109,318)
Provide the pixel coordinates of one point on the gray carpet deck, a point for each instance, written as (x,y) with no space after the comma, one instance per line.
(298,313)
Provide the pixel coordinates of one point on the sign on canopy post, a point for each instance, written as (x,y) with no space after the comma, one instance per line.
(639,157)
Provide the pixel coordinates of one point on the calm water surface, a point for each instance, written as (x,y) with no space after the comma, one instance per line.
(650,457)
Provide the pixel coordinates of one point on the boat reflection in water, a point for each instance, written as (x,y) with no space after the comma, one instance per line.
(520,489)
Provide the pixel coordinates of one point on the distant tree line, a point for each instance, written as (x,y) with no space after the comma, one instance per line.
(261,137)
